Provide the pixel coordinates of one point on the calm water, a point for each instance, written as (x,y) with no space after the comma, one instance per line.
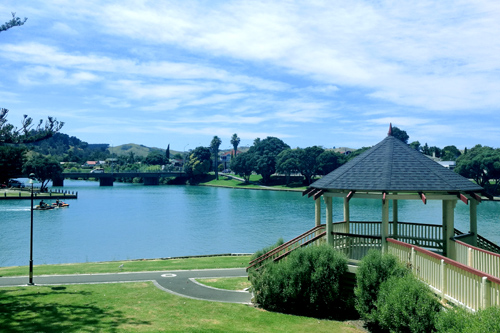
(130,221)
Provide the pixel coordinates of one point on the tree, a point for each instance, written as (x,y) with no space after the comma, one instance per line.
(11,162)
(155,157)
(400,134)
(415,145)
(167,154)
(265,153)
(214,146)
(329,161)
(235,141)
(242,165)
(481,164)
(308,164)
(287,162)
(435,151)
(26,134)
(450,153)
(198,163)
(15,22)
(44,168)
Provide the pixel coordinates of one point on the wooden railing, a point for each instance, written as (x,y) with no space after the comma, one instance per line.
(309,237)
(355,247)
(453,281)
(477,258)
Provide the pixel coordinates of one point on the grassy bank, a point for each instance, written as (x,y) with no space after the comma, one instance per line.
(139,307)
(277,183)
(131,266)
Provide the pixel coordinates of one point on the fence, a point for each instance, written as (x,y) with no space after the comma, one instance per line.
(453,281)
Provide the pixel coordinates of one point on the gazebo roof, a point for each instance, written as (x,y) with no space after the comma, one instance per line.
(392,166)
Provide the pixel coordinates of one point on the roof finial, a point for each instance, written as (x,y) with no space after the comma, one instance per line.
(390,130)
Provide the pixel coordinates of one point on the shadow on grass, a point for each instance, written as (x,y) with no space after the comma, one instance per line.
(38,311)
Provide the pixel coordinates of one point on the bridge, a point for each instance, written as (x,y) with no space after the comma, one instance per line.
(107,178)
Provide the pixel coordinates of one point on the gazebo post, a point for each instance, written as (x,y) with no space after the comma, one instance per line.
(347,217)
(449,228)
(473,221)
(317,211)
(395,218)
(329,219)
(384,231)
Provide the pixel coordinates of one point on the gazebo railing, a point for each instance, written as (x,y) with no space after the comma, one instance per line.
(355,247)
(477,258)
(284,249)
(453,281)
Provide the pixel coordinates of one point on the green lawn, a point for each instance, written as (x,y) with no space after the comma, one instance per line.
(236,283)
(139,307)
(130,266)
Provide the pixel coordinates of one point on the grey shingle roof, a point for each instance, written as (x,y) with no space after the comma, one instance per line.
(391,166)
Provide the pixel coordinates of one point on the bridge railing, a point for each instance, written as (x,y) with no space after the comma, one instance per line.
(453,281)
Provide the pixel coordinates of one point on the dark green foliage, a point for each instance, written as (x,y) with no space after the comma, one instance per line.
(329,160)
(15,22)
(264,156)
(287,162)
(373,270)
(44,168)
(307,162)
(481,164)
(155,157)
(406,304)
(306,283)
(11,162)
(267,249)
(460,320)
(198,163)
(242,165)
(400,134)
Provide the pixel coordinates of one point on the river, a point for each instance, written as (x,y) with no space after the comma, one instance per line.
(132,221)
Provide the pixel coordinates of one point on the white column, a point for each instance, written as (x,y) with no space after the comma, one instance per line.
(329,219)
(384,230)
(317,211)
(473,220)
(449,228)
(395,218)
(347,217)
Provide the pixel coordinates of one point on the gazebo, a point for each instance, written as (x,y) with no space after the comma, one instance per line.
(388,172)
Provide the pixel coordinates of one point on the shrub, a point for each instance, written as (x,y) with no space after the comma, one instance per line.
(306,283)
(460,320)
(267,249)
(406,304)
(373,270)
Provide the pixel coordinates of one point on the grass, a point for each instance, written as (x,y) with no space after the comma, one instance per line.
(224,181)
(237,283)
(140,307)
(131,266)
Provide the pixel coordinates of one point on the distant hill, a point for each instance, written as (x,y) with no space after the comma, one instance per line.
(138,150)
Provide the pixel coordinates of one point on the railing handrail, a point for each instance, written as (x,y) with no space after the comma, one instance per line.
(478,249)
(315,238)
(446,260)
(356,235)
(279,248)
(400,222)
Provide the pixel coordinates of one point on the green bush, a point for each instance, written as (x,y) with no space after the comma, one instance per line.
(460,320)
(267,249)
(373,270)
(406,304)
(306,283)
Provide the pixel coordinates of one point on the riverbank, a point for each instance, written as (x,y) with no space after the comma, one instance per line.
(234,182)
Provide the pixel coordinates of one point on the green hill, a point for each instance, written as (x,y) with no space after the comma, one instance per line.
(138,150)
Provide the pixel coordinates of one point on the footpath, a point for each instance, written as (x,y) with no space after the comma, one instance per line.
(182,283)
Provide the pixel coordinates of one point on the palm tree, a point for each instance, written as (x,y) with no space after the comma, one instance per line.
(235,141)
(214,145)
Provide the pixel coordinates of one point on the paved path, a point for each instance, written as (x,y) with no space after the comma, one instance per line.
(180,283)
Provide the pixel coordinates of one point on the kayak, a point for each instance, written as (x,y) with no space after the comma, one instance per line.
(37,207)
(61,204)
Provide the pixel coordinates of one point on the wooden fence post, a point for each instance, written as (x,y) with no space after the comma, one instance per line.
(444,281)
(485,293)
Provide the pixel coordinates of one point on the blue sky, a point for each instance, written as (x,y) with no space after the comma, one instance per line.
(328,73)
